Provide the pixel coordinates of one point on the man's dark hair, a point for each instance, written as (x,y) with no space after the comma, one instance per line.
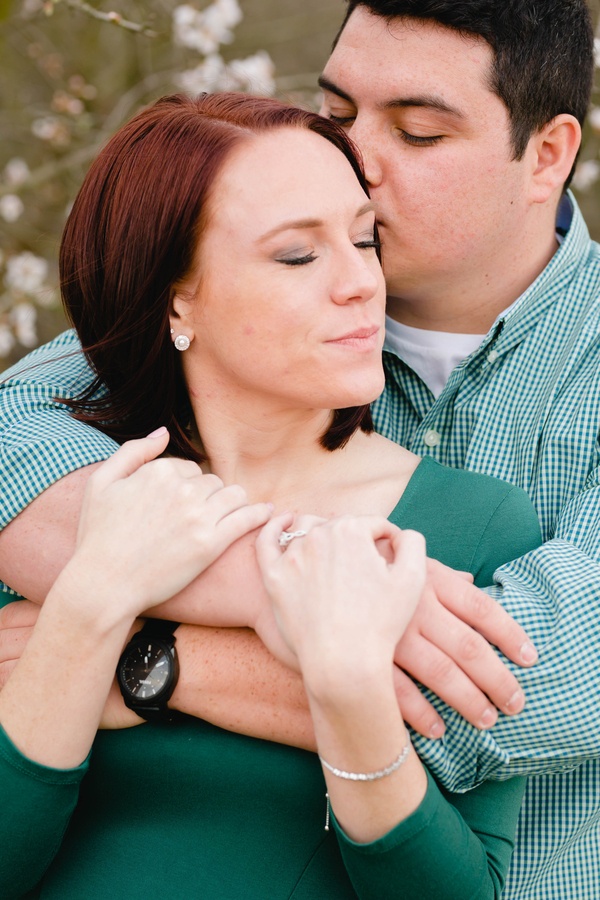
(543,52)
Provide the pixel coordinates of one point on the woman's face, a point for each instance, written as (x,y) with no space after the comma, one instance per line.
(288,294)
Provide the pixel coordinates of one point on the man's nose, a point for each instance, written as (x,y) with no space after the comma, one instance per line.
(365,138)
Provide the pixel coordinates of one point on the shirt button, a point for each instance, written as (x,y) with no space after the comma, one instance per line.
(492,356)
(432,437)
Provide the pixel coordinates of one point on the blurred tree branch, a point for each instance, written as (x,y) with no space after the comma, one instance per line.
(114,18)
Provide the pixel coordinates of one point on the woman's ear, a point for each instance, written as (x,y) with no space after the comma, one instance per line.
(182,332)
(553,152)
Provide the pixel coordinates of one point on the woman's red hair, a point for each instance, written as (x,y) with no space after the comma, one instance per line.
(131,237)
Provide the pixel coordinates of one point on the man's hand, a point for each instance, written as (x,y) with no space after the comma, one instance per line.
(16,626)
(446,648)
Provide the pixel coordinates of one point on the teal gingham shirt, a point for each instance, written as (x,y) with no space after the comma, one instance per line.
(524,407)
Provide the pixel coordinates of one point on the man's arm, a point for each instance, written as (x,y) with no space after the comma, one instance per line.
(555,593)
(49,523)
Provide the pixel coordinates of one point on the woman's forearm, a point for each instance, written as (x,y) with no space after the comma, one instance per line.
(64,675)
(359,730)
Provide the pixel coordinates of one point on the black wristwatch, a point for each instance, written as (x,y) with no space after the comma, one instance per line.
(148,671)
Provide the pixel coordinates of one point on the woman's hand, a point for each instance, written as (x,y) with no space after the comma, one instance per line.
(149,526)
(338,603)
(341,608)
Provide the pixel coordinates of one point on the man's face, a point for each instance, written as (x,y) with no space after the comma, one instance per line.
(451,200)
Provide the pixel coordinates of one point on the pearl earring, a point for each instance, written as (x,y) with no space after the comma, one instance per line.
(182,342)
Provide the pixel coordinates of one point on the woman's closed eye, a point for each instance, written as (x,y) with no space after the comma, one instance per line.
(368,244)
(300,258)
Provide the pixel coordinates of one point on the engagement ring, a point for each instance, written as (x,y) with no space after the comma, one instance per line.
(286,537)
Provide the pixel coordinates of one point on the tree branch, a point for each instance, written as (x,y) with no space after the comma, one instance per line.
(114,18)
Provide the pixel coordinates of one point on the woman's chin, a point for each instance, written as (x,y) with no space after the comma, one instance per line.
(361,394)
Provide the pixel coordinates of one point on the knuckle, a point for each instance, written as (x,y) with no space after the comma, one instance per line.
(481,605)
(184,493)
(472,646)
(213,481)
(403,686)
(440,671)
(9,614)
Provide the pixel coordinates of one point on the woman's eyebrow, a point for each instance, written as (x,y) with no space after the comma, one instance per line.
(295,224)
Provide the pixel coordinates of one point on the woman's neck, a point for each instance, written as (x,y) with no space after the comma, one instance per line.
(272,453)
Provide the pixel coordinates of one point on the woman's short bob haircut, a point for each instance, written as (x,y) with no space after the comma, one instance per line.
(131,237)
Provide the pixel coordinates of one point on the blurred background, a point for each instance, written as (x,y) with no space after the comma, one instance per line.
(72,72)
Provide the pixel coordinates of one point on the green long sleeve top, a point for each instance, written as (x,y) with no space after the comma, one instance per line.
(188,810)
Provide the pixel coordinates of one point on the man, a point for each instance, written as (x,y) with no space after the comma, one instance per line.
(469,119)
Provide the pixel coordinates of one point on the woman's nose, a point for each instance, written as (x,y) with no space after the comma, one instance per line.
(359,278)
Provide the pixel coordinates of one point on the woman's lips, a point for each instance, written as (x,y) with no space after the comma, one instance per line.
(360,339)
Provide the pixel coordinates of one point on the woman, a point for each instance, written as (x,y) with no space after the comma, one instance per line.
(236,295)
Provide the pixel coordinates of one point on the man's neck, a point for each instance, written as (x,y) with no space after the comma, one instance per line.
(471,304)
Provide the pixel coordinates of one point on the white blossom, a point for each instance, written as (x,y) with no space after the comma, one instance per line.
(11,207)
(51,129)
(586,174)
(23,317)
(45,128)
(7,340)
(208,76)
(255,73)
(205,30)
(16,172)
(26,272)
(63,102)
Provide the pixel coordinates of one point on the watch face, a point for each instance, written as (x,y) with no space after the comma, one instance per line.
(147,669)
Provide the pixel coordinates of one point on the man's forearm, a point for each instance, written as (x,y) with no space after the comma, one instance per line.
(230,679)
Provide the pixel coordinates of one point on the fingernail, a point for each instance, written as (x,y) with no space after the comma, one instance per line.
(516,702)
(158,433)
(270,506)
(436,730)
(528,653)
(488,718)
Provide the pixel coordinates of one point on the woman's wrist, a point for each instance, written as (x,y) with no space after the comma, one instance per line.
(89,601)
(347,685)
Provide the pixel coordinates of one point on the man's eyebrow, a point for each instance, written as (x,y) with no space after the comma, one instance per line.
(326,85)
(426,101)
(294,224)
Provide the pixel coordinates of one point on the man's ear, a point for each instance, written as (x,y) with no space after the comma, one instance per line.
(553,150)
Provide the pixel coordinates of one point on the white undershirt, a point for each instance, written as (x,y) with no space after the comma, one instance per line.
(431,354)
